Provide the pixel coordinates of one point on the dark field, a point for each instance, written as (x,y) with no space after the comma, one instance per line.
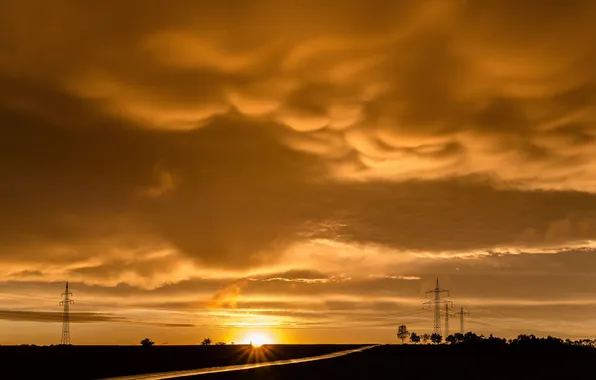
(382,362)
(93,362)
(424,362)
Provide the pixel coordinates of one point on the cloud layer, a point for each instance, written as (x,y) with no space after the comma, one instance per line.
(337,149)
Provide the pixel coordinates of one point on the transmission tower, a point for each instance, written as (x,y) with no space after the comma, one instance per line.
(448,308)
(66,316)
(461,315)
(435,303)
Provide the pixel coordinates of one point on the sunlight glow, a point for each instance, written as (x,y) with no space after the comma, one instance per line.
(258,339)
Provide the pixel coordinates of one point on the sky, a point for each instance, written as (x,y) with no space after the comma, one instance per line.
(301,169)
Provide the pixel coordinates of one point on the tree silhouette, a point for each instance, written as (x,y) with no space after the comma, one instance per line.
(147,342)
(403,333)
(206,341)
(220,343)
(436,338)
(414,338)
(470,337)
(455,338)
(425,338)
(459,337)
(500,342)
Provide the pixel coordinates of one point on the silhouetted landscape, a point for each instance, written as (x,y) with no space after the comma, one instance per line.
(297,189)
(94,362)
(410,361)
(469,353)
(474,357)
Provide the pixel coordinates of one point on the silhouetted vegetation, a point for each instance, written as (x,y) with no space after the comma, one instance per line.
(206,341)
(415,338)
(436,338)
(403,333)
(521,341)
(147,342)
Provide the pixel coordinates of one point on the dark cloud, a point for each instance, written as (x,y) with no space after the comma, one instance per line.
(460,215)
(77,317)
(264,195)
(88,184)
(51,316)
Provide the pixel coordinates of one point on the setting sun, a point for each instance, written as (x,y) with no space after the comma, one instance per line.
(258,339)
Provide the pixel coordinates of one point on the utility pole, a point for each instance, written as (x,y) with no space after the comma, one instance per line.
(435,303)
(461,315)
(66,316)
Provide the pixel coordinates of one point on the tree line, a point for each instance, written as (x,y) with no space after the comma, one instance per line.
(206,342)
(522,340)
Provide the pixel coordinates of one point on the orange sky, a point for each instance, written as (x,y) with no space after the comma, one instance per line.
(300,168)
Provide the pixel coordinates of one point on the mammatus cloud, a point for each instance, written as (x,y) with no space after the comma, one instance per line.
(442,90)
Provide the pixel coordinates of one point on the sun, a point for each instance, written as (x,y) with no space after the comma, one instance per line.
(258,339)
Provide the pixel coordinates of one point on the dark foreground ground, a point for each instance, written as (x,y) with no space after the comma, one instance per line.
(425,362)
(382,362)
(95,362)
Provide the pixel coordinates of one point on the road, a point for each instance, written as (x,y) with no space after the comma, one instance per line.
(241,367)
